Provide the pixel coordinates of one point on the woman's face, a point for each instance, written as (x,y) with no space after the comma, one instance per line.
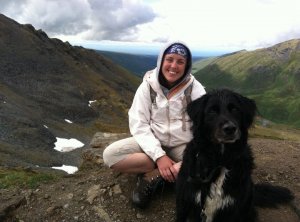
(173,67)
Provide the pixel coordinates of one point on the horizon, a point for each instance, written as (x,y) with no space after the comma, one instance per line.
(145,48)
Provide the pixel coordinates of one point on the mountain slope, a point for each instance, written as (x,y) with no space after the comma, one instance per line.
(138,64)
(271,76)
(44,81)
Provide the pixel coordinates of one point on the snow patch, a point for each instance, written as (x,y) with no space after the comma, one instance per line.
(68,121)
(67,145)
(92,101)
(68,169)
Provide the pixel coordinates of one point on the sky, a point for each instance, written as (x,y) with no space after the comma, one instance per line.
(205,25)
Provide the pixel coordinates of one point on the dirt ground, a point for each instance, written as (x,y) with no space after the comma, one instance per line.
(95,193)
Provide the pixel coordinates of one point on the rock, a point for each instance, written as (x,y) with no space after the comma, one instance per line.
(102,213)
(101,140)
(140,216)
(51,210)
(70,195)
(10,205)
(116,189)
(94,192)
(92,156)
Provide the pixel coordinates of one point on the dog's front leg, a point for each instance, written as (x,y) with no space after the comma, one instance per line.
(182,206)
(188,213)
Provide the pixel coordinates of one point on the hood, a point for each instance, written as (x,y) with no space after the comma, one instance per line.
(161,54)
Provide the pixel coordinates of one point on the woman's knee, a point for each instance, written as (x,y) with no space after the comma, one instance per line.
(118,150)
(108,155)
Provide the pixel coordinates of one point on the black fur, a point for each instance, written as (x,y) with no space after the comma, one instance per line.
(221,120)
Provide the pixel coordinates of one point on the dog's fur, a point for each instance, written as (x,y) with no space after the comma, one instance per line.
(214,183)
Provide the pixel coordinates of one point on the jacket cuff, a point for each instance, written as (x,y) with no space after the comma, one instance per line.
(158,155)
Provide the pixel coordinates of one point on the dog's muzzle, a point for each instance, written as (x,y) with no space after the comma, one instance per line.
(227,133)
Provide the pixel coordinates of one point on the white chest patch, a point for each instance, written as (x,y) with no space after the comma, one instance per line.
(217,200)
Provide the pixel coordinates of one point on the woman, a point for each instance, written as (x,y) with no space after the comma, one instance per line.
(159,124)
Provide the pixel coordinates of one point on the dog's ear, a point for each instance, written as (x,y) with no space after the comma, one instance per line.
(249,110)
(195,109)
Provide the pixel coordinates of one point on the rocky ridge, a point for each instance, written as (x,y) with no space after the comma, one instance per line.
(43,83)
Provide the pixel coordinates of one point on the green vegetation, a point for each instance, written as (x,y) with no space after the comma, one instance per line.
(274,131)
(202,63)
(271,76)
(23,179)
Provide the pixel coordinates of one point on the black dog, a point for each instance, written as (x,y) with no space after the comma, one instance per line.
(214,183)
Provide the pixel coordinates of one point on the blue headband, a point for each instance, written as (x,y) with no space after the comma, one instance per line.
(177,49)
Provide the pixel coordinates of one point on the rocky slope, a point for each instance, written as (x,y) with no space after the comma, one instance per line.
(45,84)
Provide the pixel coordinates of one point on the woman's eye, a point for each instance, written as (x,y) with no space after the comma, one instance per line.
(180,62)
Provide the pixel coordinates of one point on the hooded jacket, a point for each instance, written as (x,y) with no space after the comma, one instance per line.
(164,123)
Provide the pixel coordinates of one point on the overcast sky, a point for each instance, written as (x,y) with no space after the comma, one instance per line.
(202,24)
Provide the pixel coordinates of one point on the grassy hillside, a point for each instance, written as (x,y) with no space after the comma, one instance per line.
(271,76)
(200,64)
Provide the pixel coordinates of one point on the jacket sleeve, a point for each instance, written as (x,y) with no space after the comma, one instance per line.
(139,123)
(198,90)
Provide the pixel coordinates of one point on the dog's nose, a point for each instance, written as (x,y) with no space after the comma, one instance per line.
(229,128)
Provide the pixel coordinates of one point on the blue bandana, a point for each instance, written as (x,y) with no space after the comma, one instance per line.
(177,49)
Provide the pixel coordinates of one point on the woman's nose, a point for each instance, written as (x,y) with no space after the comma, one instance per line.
(174,64)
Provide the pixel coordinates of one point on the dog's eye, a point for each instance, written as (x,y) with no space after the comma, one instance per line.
(213,110)
(232,108)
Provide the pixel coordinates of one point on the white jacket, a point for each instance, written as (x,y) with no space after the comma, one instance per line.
(161,124)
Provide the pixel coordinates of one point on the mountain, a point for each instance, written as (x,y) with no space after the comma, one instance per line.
(271,76)
(137,63)
(46,89)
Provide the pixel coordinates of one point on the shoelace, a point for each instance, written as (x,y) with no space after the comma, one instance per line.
(149,188)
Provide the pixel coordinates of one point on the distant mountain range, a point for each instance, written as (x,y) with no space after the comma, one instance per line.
(45,84)
(136,63)
(271,76)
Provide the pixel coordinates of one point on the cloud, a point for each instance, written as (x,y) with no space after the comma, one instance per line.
(55,16)
(205,24)
(14,8)
(90,19)
(223,24)
(118,20)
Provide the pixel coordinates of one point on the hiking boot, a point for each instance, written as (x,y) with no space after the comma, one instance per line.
(146,186)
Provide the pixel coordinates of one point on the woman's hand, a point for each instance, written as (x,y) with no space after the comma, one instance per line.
(166,168)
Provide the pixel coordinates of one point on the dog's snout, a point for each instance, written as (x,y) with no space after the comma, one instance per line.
(229,128)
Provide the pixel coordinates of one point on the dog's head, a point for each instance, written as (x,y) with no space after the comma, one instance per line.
(222,115)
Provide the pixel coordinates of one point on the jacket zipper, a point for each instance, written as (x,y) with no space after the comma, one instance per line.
(168,117)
